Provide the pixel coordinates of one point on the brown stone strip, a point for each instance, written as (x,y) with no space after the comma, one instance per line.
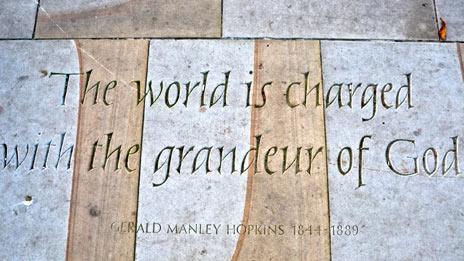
(103,195)
(249,187)
(133,18)
(287,199)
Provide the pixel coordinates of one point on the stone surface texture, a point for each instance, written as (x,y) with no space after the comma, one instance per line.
(134,18)
(345,19)
(293,197)
(34,204)
(198,198)
(400,218)
(452,12)
(370,140)
(104,194)
(17,18)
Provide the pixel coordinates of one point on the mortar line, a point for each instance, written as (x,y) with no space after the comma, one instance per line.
(36,17)
(76,159)
(141,147)
(436,15)
(461,60)
(240,38)
(326,148)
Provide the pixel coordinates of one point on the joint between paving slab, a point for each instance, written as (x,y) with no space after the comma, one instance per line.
(436,16)
(326,147)
(75,177)
(222,18)
(461,60)
(241,38)
(141,148)
(36,17)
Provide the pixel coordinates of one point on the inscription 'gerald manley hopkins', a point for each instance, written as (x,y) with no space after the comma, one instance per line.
(179,93)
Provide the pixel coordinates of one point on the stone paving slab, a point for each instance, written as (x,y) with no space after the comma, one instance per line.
(37,125)
(400,215)
(198,198)
(452,12)
(105,182)
(296,197)
(343,19)
(17,18)
(135,18)
(416,108)
(247,197)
